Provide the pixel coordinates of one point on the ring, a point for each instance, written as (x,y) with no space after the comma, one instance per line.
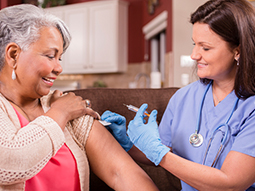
(88,103)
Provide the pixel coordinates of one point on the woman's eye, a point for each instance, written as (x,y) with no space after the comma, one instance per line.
(206,49)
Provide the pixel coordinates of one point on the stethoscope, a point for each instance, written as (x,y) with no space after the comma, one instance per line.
(196,139)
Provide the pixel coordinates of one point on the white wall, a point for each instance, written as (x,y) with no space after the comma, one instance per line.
(182,37)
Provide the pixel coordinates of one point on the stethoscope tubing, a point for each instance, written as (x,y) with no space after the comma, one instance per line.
(225,136)
(226,124)
(201,106)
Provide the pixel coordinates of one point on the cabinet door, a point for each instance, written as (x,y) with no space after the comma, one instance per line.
(102,36)
(76,57)
(99,36)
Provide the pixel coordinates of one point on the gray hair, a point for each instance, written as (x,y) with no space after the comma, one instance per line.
(21,24)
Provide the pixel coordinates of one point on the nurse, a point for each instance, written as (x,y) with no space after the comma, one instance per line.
(207,134)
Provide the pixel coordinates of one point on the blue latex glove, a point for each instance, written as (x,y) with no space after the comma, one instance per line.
(118,128)
(146,136)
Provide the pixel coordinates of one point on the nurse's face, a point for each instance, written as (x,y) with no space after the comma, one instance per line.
(215,59)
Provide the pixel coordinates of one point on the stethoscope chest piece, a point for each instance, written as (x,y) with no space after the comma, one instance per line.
(196,139)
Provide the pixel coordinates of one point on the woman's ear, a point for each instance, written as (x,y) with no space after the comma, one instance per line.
(12,52)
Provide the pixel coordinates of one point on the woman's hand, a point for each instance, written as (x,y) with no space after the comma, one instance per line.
(66,107)
(118,128)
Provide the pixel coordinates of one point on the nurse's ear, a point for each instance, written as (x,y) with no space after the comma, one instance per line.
(12,52)
(237,53)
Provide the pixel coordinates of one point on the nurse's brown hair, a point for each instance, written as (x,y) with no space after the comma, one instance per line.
(234,21)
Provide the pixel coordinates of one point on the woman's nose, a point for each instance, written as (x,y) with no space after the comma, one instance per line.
(58,68)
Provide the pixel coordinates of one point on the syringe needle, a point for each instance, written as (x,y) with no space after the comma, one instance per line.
(135,109)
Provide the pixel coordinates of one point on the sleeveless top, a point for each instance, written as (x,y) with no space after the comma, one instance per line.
(59,174)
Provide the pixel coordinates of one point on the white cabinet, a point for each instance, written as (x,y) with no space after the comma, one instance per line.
(99,36)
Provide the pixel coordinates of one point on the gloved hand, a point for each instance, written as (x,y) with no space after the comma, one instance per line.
(118,128)
(146,136)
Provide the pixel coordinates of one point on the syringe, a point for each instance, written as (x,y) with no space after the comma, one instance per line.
(135,109)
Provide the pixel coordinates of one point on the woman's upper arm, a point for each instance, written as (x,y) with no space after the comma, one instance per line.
(112,164)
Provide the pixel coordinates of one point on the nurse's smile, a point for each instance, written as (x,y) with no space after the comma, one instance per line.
(200,65)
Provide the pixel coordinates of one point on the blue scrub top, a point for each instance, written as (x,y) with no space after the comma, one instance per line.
(180,120)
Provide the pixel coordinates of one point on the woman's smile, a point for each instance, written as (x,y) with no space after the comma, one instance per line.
(49,81)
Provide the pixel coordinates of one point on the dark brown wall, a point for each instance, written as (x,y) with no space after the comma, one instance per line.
(5,3)
(135,34)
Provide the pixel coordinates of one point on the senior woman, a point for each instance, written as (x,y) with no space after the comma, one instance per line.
(47,140)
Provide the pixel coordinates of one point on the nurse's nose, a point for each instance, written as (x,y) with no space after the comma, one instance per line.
(195,55)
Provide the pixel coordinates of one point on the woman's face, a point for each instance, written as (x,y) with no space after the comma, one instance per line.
(215,58)
(39,66)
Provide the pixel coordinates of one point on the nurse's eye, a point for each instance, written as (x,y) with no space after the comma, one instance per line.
(50,57)
(205,49)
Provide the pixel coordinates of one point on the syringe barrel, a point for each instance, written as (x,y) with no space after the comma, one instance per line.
(135,109)
(132,108)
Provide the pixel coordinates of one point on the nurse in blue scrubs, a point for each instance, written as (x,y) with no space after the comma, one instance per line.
(207,134)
